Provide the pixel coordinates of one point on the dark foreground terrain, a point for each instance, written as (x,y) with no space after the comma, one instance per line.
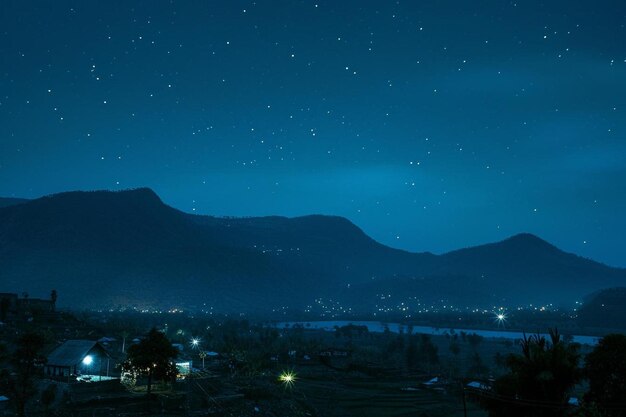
(247,368)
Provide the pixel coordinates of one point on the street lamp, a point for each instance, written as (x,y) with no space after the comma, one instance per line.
(202,355)
(288,378)
(500,318)
(195,342)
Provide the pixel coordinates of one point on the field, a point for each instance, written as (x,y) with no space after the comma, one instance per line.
(341,372)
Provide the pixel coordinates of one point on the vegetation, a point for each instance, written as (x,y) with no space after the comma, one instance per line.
(350,371)
(605,368)
(19,380)
(605,309)
(152,357)
(540,379)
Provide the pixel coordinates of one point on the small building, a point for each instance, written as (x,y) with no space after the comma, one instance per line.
(4,403)
(333,352)
(478,385)
(75,358)
(183,369)
(12,304)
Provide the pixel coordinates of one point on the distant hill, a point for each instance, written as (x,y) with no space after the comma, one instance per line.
(605,309)
(6,202)
(102,248)
(525,267)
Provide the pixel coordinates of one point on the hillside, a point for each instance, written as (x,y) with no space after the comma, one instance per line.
(605,309)
(6,202)
(102,248)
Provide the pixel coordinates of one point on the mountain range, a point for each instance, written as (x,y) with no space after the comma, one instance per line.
(105,248)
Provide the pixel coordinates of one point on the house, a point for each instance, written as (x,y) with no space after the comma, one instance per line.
(334,353)
(12,304)
(4,403)
(477,385)
(76,358)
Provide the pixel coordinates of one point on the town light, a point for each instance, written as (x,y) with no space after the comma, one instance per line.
(87,360)
(195,342)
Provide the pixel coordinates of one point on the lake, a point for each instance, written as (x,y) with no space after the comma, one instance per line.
(379,327)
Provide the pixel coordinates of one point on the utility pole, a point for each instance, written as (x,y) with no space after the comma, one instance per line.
(464,402)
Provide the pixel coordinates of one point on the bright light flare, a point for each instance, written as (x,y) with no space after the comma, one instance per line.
(500,318)
(288,378)
(195,342)
(87,360)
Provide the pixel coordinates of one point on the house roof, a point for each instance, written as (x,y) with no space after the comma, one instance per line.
(478,385)
(71,352)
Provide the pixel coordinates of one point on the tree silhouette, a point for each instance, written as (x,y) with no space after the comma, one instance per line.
(21,382)
(539,381)
(53,298)
(605,367)
(474,340)
(48,396)
(428,351)
(4,308)
(412,354)
(152,357)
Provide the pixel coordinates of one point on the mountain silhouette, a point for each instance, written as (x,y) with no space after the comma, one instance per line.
(6,202)
(604,309)
(106,248)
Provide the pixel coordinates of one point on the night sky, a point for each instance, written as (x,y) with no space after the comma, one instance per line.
(432,125)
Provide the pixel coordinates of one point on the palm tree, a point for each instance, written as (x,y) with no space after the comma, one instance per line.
(540,379)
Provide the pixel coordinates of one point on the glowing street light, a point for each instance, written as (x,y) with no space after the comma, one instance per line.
(195,342)
(500,318)
(288,378)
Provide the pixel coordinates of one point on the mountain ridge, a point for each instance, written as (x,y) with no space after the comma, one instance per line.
(129,246)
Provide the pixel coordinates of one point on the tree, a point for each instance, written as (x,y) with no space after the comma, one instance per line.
(605,367)
(152,357)
(454,365)
(48,396)
(429,351)
(21,382)
(539,381)
(53,298)
(455,348)
(474,340)
(412,354)
(477,367)
(4,308)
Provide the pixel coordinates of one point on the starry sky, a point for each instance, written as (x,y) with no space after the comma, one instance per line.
(431,124)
